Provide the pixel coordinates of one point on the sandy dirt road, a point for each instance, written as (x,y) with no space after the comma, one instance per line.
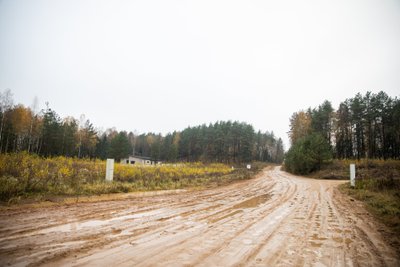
(275,219)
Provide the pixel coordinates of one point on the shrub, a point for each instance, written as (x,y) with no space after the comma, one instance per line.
(308,154)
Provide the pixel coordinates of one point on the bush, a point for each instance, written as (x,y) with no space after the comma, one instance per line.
(308,154)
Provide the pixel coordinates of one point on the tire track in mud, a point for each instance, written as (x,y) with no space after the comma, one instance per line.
(275,219)
(32,233)
(249,235)
(179,243)
(217,238)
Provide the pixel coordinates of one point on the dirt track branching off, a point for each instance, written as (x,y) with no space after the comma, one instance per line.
(377,185)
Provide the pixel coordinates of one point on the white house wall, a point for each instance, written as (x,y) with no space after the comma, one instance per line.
(137,161)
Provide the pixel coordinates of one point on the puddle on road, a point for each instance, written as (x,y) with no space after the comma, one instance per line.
(115,231)
(252,202)
(315,244)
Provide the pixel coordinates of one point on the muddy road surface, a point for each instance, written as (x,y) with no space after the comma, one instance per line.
(275,219)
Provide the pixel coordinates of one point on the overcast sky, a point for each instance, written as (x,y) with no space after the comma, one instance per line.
(163,65)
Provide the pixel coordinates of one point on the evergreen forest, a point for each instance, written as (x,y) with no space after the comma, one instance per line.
(363,127)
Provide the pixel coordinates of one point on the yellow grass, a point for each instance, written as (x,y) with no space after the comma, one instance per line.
(23,175)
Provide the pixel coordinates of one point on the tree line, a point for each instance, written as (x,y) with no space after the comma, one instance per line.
(45,133)
(365,126)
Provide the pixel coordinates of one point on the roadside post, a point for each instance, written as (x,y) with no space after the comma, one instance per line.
(109,170)
(248,166)
(352,175)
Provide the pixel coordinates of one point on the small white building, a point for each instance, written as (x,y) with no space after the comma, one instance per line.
(132,160)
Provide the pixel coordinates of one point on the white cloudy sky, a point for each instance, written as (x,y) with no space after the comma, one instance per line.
(163,65)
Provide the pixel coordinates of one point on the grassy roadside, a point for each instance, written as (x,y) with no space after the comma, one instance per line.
(382,199)
(28,178)
(365,169)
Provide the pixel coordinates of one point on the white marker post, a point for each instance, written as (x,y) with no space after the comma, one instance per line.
(248,166)
(352,175)
(110,170)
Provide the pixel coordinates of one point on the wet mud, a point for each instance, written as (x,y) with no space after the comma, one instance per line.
(275,219)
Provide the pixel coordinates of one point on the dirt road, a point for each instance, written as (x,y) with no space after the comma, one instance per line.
(275,219)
